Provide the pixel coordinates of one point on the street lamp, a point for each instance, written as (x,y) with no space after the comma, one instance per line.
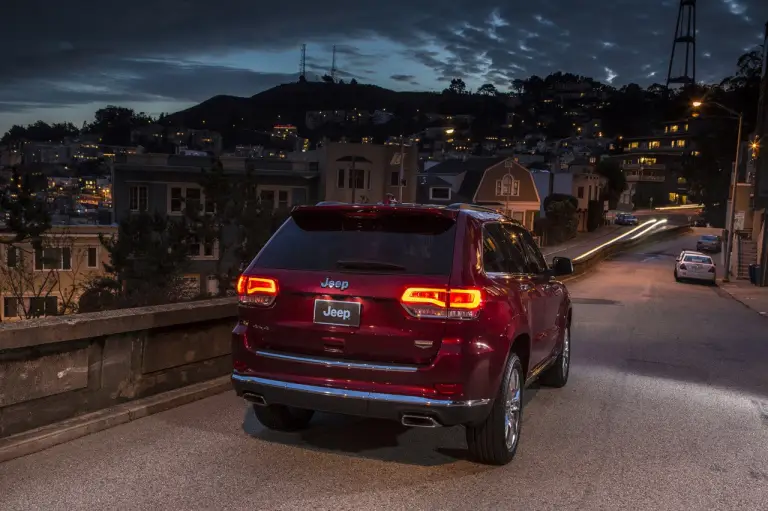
(734,182)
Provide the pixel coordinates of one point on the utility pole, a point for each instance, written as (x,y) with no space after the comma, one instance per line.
(761,165)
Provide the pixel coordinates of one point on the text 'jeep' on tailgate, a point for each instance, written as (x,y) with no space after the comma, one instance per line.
(431,316)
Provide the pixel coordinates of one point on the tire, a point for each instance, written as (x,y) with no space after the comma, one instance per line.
(557,375)
(677,279)
(283,418)
(495,440)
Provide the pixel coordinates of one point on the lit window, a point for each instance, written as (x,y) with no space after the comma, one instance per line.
(654,144)
(678,143)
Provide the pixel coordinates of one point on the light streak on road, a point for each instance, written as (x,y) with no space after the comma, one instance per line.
(614,240)
(650,228)
(687,206)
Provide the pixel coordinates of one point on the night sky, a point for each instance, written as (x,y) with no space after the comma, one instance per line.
(63,60)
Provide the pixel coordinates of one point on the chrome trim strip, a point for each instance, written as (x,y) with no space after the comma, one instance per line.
(356,394)
(327,362)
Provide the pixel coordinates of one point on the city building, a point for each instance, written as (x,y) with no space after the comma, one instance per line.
(49,281)
(498,182)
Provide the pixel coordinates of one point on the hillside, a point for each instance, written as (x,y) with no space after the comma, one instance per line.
(288,103)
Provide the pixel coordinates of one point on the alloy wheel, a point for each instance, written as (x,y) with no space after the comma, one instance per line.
(512,409)
(566,358)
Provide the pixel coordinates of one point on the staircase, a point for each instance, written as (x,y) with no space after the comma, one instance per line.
(747,256)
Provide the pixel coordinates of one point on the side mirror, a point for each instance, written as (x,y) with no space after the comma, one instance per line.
(562,266)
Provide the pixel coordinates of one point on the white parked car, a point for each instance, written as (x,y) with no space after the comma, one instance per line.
(695,266)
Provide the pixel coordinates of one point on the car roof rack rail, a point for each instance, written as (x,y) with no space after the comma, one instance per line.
(471,207)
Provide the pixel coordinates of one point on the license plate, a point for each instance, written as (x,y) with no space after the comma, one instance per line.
(337,313)
(697,267)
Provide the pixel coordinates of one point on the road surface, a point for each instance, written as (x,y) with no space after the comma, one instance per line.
(667,408)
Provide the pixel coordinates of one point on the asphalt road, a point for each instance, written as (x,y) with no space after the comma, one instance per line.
(667,408)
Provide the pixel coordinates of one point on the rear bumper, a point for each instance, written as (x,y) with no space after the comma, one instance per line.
(358,403)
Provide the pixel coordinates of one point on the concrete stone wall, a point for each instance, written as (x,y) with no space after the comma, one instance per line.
(56,368)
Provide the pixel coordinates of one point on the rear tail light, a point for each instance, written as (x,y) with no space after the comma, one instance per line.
(711,270)
(682,267)
(429,302)
(260,291)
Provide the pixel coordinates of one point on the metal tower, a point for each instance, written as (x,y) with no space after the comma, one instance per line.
(333,64)
(684,42)
(303,64)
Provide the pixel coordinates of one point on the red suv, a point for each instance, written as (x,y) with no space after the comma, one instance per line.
(428,315)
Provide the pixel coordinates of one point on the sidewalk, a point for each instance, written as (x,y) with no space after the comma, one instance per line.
(583,242)
(754,297)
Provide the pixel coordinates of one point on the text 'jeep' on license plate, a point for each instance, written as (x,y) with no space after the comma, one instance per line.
(336,312)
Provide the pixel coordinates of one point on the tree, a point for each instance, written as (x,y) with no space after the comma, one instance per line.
(147,261)
(27,216)
(327,78)
(457,87)
(353,82)
(487,89)
(518,86)
(561,217)
(617,181)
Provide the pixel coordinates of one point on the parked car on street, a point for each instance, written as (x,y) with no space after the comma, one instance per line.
(427,315)
(626,219)
(691,265)
(709,243)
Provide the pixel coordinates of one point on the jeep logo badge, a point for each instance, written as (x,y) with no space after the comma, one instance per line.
(335,284)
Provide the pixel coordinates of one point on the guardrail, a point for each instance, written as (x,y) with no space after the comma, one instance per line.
(628,240)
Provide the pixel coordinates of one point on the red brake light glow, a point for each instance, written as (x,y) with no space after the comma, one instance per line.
(429,302)
(256,290)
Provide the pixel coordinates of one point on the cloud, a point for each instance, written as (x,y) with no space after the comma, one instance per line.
(403,78)
(155,51)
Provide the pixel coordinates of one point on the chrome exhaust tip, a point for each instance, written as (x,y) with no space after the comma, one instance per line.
(419,421)
(255,398)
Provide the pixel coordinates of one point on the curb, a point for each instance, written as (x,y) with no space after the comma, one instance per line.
(724,289)
(39,439)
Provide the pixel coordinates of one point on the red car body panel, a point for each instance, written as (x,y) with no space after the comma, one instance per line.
(393,352)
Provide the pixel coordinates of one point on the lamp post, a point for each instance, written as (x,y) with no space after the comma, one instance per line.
(734,183)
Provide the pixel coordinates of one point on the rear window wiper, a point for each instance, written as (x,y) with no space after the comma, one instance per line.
(369,265)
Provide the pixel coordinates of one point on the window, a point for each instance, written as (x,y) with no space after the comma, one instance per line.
(282,197)
(406,243)
(697,259)
(536,262)
(654,144)
(138,198)
(681,181)
(580,192)
(495,254)
(340,179)
(53,259)
(11,307)
(203,249)
(43,306)
(674,128)
(507,186)
(358,179)
(647,161)
(93,257)
(12,256)
(394,179)
(678,143)
(515,251)
(634,145)
(179,196)
(439,193)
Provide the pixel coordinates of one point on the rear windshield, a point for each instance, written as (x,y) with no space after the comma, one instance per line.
(397,244)
(709,238)
(697,259)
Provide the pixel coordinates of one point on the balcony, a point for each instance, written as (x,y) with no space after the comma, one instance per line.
(635,176)
(643,166)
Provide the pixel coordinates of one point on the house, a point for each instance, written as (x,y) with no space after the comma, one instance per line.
(362,173)
(49,281)
(161,183)
(582,182)
(496,182)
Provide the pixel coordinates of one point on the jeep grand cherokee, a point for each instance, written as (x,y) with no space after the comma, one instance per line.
(431,316)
